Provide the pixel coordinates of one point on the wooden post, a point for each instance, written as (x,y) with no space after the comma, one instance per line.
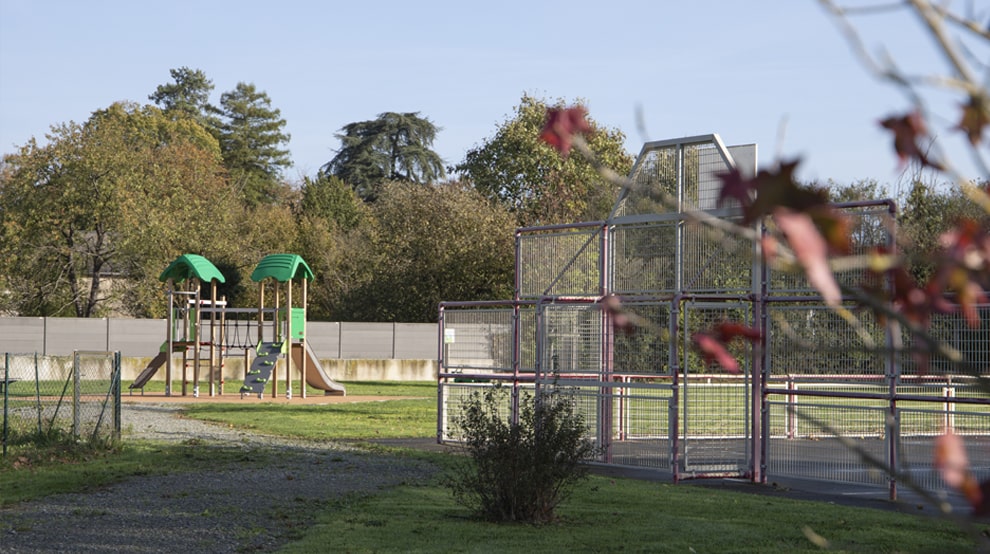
(222,340)
(183,304)
(275,338)
(288,339)
(276,328)
(169,335)
(194,313)
(213,333)
(302,344)
(261,312)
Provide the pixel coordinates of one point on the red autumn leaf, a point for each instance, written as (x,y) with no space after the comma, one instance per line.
(712,343)
(834,227)
(775,188)
(714,351)
(965,267)
(951,462)
(908,129)
(562,125)
(811,251)
(970,296)
(728,330)
(917,303)
(734,186)
(621,318)
(975,116)
(769,248)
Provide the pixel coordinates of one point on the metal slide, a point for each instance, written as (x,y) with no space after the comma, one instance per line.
(316,377)
(150,371)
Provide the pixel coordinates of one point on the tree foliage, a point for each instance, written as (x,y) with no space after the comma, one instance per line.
(344,261)
(250,132)
(526,175)
(188,96)
(926,215)
(252,140)
(336,237)
(100,210)
(432,243)
(328,198)
(392,147)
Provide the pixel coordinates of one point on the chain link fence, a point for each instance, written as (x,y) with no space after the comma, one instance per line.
(53,398)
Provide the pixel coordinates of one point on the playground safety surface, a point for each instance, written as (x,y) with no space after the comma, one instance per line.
(160,398)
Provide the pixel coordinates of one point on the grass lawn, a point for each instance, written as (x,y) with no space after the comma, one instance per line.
(604,515)
(612,515)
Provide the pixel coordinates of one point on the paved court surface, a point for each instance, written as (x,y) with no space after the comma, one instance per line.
(843,494)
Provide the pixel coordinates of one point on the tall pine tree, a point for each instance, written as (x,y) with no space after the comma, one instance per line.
(251,141)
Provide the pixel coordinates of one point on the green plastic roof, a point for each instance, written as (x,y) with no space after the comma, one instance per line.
(191,265)
(282,268)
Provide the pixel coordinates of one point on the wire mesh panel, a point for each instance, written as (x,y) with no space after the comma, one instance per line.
(96,407)
(571,340)
(811,338)
(714,423)
(643,258)
(629,421)
(586,401)
(920,427)
(559,262)
(672,173)
(703,164)
(968,338)
(455,396)
(816,452)
(55,396)
(870,227)
(527,339)
(478,339)
(645,352)
(713,262)
(655,179)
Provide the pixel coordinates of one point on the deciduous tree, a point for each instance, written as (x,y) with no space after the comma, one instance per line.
(92,216)
(526,175)
(434,243)
(327,198)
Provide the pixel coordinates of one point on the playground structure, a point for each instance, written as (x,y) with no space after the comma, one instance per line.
(652,402)
(207,331)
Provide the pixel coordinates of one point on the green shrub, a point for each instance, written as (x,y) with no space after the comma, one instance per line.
(520,472)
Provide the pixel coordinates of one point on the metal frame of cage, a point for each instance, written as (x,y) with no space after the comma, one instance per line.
(650,401)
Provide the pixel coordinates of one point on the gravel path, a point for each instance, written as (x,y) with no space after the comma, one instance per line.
(253,506)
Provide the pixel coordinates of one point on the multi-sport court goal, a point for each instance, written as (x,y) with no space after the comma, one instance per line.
(650,400)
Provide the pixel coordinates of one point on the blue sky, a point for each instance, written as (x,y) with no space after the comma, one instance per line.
(742,69)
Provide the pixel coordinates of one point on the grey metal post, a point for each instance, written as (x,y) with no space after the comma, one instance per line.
(6,382)
(76,390)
